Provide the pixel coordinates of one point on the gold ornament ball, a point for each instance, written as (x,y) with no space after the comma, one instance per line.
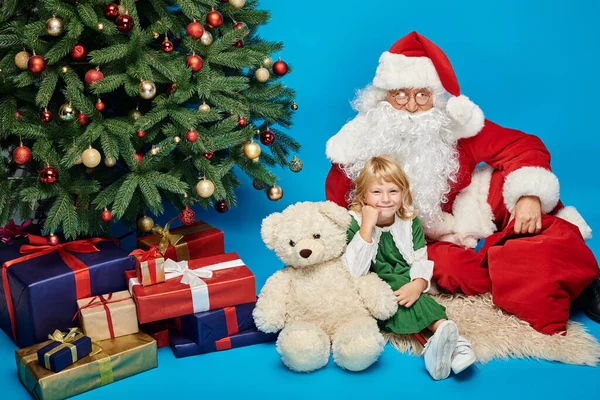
(177,139)
(66,112)
(205,188)
(206,38)
(155,34)
(262,74)
(21,60)
(54,26)
(237,3)
(64,70)
(134,115)
(91,158)
(110,161)
(267,62)
(204,107)
(154,150)
(147,89)
(274,193)
(252,150)
(100,26)
(145,224)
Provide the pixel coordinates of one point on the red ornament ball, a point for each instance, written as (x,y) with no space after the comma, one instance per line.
(139,157)
(242,121)
(82,119)
(46,116)
(18,114)
(106,215)
(141,133)
(124,23)
(221,206)
(195,62)
(171,88)
(209,155)
(214,19)
(191,135)
(100,105)
(53,240)
(187,216)
(22,155)
(267,137)
(111,10)
(239,44)
(280,68)
(195,30)
(49,175)
(36,64)
(167,46)
(79,52)
(93,75)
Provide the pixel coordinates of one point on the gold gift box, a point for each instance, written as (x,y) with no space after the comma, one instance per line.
(110,361)
(123,314)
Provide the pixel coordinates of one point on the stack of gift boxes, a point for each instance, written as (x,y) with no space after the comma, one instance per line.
(87,313)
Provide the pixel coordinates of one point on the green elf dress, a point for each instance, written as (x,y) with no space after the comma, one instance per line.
(398,255)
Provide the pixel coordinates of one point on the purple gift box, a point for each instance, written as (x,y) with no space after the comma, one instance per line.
(184,347)
(44,290)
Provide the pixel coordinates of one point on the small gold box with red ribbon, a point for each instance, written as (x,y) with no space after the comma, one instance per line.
(193,286)
(108,316)
(186,242)
(149,266)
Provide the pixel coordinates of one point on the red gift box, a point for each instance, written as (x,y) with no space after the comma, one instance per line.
(193,286)
(186,242)
(160,331)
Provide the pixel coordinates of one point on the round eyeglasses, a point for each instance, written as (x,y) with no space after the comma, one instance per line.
(402,98)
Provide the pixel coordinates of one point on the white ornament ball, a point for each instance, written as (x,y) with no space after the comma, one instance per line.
(262,74)
(205,188)
(91,158)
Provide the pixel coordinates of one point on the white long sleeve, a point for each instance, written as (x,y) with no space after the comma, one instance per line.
(422,267)
(359,255)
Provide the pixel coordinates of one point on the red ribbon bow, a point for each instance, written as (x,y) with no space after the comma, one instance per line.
(39,247)
(103,302)
(145,255)
(12,230)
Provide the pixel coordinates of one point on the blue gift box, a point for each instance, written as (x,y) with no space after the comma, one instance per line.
(61,355)
(210,326)
(44,293)
(184,347)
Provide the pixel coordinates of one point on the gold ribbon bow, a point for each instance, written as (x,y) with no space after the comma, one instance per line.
(166,238)
(65,340)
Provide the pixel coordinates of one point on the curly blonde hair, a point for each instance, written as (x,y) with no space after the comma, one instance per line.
(383,169)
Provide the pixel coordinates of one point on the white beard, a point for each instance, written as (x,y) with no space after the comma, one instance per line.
(422,144)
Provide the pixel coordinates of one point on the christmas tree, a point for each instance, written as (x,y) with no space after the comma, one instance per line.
(107,111)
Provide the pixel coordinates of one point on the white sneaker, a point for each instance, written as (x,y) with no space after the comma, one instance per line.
(463,355)
(438,350)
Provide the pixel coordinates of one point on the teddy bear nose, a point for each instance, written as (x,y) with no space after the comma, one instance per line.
(305,253)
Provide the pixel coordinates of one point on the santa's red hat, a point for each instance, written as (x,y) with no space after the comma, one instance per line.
(416,62)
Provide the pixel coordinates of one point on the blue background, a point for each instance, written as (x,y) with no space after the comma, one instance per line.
(529,65)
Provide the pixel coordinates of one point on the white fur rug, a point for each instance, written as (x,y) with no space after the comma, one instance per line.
(496,334)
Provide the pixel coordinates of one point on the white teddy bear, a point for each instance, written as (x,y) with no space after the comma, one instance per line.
(313,301)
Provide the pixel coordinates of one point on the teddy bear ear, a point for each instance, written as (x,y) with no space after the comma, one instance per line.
(269,229)
(339,215)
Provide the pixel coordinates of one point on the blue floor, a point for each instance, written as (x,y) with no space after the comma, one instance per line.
(529,66)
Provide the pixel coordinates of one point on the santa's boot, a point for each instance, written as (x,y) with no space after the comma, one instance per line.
(590,300)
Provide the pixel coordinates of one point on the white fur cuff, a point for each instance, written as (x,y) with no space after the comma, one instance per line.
(440,228)
(571,215)
(468,116)
(532,181)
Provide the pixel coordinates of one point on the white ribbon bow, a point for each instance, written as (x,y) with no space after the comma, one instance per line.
(193,277)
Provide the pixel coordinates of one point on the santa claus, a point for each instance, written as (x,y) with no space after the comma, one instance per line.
(534,259)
